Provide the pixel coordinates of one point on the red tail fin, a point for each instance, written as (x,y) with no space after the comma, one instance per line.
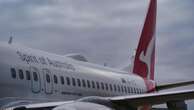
(145,55)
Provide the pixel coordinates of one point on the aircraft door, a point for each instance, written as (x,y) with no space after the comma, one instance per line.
(48,81)
(35,85)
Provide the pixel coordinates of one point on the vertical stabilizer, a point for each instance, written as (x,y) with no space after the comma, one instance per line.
(145,55)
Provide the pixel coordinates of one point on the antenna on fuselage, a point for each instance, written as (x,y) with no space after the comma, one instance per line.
(10,40)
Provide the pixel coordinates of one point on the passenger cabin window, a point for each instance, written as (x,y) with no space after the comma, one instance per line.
(35,76)
(88,83)
(119,89)
(142,90)
(83,83)
(62,80)
(97,84)
(102,85)
(138,91)
(79,82)
(134,91)
(48,79)
(73,82)
(28,75)
(68,81)
(106,86)
(110,87)
(125,88)
(122,90)
(13,73)
(21,74)
(93,84)
(115,87)
(55,79)
(128,88)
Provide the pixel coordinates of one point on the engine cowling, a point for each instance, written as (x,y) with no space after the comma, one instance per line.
(82,106)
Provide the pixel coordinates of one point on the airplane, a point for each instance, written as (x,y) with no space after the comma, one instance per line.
(32,79)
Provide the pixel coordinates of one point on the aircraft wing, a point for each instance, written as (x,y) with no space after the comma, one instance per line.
(111,102)
(173,85)
(154,98)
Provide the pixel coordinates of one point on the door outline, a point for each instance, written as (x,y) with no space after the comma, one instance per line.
(47,86)
(35,85)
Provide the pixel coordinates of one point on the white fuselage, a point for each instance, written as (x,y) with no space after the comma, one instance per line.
(36,75)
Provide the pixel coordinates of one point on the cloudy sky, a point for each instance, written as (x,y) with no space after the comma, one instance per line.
(105,31)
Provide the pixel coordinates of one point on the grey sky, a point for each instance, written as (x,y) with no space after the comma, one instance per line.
(104,31)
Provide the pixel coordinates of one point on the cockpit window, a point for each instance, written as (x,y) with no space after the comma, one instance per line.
(13,73)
